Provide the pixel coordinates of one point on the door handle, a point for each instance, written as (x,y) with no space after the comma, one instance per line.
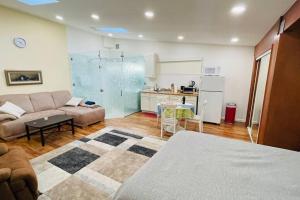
(121,92)
(101,90)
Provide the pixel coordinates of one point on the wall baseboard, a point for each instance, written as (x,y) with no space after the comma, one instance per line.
(237,120)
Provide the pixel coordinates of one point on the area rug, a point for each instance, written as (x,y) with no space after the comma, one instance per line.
(95,166)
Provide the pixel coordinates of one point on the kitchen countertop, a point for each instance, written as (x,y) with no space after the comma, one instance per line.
(170,93)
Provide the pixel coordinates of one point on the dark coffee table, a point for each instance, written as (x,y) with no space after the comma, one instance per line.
(41,125)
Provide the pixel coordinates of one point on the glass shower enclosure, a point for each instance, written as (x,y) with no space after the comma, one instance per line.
(113,79)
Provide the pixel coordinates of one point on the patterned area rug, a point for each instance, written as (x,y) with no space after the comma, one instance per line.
(95,166)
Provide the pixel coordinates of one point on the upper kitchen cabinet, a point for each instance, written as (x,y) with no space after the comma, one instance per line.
(151,65)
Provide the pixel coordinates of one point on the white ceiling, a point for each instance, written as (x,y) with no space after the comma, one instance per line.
(200,21)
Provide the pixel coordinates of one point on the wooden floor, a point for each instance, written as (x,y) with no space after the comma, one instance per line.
(140,122)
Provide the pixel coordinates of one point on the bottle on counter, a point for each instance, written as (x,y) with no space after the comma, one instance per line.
(172,87)
(156,87)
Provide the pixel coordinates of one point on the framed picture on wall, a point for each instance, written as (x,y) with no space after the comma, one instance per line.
(18,77)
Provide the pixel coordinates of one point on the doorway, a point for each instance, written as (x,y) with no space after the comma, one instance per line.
(260,80)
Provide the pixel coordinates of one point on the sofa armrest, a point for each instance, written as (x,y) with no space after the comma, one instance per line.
(4,174)
(3,149)
(27,175)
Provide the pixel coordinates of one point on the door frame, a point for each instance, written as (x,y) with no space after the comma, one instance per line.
(253,86)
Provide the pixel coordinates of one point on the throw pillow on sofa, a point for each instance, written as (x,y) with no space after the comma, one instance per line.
(10,108)
(74,101)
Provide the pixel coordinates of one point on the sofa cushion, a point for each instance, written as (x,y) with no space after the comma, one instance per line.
(16,128)
(84,116)
(21,100)
(42,101)
(7,117)
(60,98)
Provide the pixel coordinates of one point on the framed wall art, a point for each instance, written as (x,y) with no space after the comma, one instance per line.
(16,77)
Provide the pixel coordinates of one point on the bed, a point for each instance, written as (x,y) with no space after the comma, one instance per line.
(194,166)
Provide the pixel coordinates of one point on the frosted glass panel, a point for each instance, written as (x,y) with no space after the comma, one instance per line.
(134,72)
(112,87)
(87,77)
(110,78)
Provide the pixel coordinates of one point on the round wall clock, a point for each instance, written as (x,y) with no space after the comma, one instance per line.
(20,42)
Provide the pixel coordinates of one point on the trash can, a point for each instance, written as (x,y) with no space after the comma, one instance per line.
(230,113)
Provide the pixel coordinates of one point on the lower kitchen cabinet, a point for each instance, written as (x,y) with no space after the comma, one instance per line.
(149,101)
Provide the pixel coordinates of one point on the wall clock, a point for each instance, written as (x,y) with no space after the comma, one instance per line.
(20,42)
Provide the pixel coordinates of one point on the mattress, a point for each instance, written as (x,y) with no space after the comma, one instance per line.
(199,166)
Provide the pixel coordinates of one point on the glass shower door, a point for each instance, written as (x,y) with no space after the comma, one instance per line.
(112,87)
(111,79)
(133,73)
(86,76)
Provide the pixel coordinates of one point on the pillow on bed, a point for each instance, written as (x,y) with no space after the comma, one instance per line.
(74,101)
(6,117)
(12,109)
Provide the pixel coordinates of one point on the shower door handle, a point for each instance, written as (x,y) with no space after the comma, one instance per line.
(101,90)
(121,93)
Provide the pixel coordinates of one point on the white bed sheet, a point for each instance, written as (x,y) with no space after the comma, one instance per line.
(194,166)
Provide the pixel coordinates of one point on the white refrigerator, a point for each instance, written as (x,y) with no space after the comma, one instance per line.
(211,90)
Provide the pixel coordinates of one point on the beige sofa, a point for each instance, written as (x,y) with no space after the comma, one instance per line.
(45,104)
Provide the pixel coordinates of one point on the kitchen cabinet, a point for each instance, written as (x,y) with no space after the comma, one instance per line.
(191,100)
(150,100)
(145,102)
(176,98)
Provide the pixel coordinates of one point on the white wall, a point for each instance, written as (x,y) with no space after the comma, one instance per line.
(178,73)
(235,61)
(81,41)
(46,50)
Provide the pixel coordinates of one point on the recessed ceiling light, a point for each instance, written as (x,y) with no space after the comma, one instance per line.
(180,37)
(238,9)
(149,14)
(234,39)
(113,30)
(38,2)
(140,36)
(95,17)
(59,17)
(110,35)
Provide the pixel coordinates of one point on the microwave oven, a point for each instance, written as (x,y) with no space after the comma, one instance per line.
(212,71)
(188,90)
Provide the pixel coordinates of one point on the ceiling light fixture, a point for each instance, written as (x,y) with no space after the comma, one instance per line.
(180,37)
(38,2)
(110,35)
(113,30)
(95,17)
(238,9)
(59,17)
(149,14)
(234,39)
(140,36)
